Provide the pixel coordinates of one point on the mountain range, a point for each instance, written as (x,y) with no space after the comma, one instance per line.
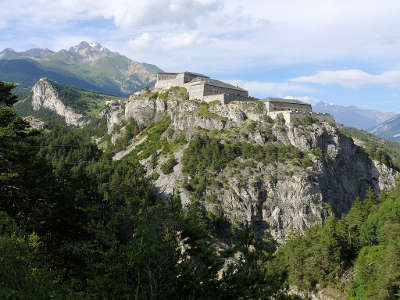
(390,129)
(87,66)
(353,116)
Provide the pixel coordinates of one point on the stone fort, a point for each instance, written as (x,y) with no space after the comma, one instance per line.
(206,89)
(202,87)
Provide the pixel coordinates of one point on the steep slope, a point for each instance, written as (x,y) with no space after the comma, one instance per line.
(354,116)
(49,100)
(378,148)
(242,167)
(26,72)
(87,66)
(389,129)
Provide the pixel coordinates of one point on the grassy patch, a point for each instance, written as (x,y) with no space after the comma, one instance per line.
(153,142)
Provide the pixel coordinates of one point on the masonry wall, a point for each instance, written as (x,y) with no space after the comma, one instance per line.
(210,98)
(216,90)
(284,106)
(189,77)
(196,91)
(230,98)
(290,116)
(167,81)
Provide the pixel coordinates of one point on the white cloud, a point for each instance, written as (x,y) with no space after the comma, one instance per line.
(352,78)
(223,34)
(307,99)
(142,42)
(272,89)
(181,40)
(126,14)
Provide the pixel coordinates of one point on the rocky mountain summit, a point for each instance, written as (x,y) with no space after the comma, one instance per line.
(241,166)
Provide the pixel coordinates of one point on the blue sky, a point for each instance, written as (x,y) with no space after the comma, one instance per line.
(339,51)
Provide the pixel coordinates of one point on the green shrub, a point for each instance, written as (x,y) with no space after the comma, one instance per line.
(309,120)
(168,166)
(155,176)
(268,119)
(260,107)
(215,102)
(205,153)
(163,95)
(154,142)
(318,153)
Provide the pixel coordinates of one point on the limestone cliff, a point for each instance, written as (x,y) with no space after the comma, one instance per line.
(309,170)
(45,95)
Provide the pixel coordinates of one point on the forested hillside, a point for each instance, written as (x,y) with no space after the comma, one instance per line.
(74,224)
(359,254)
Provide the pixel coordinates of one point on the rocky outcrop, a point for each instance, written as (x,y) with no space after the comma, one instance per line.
(114,113)
(35,123)
(45,95)
(275,197)
(145,110)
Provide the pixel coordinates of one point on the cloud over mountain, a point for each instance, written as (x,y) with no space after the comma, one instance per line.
(352,78)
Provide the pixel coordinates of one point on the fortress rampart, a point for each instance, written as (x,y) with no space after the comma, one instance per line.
(291,116)
(204,88)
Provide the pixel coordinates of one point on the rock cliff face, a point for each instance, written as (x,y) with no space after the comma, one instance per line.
(318,171)
(45,95)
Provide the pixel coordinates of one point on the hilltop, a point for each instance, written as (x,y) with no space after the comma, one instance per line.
(49,100)
(213,178)
(242,166)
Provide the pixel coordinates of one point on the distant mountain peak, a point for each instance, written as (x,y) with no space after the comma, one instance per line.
(87,65)
(85,46)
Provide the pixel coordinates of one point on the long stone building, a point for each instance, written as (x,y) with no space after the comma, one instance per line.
(279,104)
(202,87)
(206,89)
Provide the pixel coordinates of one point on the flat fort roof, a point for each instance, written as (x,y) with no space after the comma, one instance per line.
(193,73)
(167,73)
(282,100)
(216,83)
(196,74)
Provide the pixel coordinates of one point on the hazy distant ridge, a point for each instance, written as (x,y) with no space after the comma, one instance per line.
(353,116)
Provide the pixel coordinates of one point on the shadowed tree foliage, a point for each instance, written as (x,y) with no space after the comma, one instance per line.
(74,224)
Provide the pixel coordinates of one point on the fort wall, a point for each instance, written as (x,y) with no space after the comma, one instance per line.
(196,91)
(285,106)
(290,116)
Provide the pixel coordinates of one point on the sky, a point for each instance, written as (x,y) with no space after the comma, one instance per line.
(343,52)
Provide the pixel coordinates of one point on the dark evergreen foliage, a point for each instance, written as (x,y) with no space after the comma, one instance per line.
(76,225)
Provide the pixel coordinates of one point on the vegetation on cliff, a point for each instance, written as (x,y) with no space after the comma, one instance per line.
(74,224)
(358,254)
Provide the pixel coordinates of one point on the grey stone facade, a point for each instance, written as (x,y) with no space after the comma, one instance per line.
(279,104)
(202,87)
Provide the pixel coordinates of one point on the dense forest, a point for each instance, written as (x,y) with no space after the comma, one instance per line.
(74,224)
